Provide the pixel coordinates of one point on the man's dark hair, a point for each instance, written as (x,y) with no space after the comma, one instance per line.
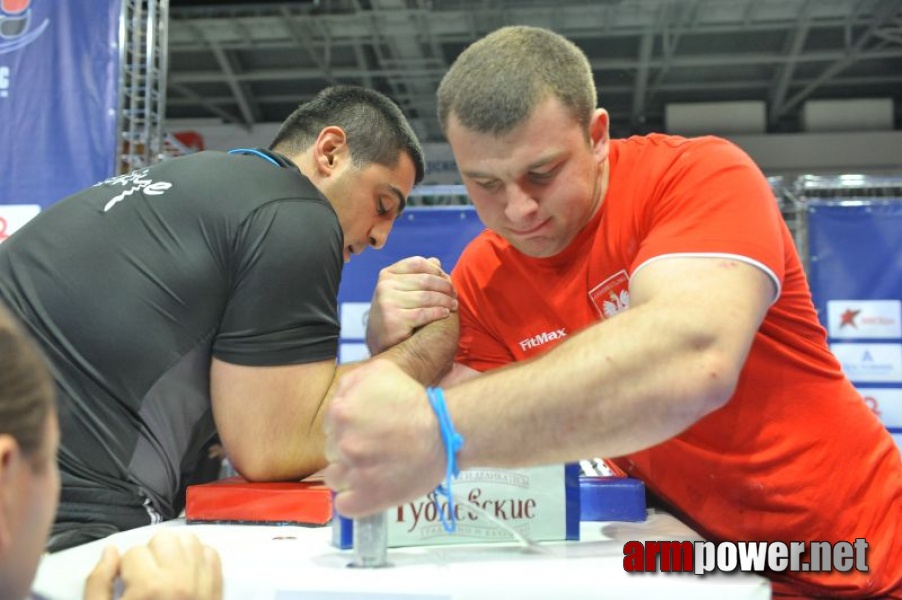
(376,128)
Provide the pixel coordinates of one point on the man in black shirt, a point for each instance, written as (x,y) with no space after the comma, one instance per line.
(199,296)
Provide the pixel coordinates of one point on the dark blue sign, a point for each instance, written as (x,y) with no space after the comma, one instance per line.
(440,232)
(58,97)
(856,281)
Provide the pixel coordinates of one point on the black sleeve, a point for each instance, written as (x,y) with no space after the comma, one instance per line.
(283,306)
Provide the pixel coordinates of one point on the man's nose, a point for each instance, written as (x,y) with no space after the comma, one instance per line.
(520,204)
(379,234)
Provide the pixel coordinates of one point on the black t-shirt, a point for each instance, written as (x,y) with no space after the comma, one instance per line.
(132,285)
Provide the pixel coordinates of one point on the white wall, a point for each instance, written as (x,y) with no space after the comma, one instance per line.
(853,152)
(219,136)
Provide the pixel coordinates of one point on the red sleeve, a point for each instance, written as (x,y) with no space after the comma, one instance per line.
(713,199)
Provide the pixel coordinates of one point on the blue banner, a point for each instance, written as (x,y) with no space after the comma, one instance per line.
(855,249)
(58,97)
(440,232)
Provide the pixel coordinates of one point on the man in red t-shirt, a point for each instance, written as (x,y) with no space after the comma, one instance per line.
(646,302)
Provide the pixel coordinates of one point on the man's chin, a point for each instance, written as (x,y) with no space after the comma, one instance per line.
(537,247)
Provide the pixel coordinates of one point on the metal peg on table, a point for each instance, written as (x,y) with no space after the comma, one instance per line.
(371,541)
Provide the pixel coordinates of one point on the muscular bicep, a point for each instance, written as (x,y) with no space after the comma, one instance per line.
(268,417)
(711,300)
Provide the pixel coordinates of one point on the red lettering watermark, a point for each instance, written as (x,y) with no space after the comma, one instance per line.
(705,557)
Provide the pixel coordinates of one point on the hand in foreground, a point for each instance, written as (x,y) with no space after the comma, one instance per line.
(172,566)
(382,440)
(411,293)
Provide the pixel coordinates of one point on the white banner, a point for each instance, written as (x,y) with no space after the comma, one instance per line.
(877,363)
(534,502)
(878,319)
(354,316)
(14,216)
(885,403)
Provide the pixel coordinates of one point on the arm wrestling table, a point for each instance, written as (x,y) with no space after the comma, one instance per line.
(299,563)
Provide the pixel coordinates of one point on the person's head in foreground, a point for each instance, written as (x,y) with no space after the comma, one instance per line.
(29,478)
(29,493)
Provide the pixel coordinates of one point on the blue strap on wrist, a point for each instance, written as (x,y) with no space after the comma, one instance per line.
(453,442)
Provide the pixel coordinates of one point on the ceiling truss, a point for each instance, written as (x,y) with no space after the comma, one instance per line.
(253,63)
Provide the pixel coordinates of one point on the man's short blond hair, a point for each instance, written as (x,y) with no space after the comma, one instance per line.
(497,81)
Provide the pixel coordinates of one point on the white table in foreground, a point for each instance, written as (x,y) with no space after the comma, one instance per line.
(298,563)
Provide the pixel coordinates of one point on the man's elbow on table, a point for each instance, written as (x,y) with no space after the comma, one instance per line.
(270,464)
(268,417)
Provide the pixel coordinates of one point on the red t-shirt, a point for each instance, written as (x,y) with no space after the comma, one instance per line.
(795,455)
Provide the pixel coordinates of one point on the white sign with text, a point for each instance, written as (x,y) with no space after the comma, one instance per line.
(876,363)
(876,319)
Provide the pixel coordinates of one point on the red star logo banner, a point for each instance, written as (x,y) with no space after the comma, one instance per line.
(848,318)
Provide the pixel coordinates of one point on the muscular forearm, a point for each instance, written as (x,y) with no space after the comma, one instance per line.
(428,354)
(615,388)
(425,356)
(628,382)
(568,405)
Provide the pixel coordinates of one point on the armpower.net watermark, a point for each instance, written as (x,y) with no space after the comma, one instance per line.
(704,557)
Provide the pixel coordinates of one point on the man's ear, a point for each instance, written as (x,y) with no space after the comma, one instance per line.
(11,462)
(599,134)
(330,149)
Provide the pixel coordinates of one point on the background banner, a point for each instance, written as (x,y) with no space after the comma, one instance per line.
(58,97)
(855,250)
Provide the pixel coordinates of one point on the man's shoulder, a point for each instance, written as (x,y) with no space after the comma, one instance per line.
(666,144)
(658,156)
(236,185)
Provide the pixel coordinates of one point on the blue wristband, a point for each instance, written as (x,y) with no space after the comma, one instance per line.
(453,442)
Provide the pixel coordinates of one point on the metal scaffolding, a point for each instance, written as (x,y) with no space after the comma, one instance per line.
(143,39)
(802,195)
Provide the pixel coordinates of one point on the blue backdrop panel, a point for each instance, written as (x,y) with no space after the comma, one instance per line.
(855,250)
(442,232)
(58,94)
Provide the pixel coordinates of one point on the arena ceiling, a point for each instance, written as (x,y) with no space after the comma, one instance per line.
(253,62)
